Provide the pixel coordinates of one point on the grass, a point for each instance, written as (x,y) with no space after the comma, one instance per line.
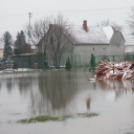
(50,118)
(87,114)
(39,119)
(66,117)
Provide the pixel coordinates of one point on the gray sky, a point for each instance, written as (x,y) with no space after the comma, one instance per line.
(14,13)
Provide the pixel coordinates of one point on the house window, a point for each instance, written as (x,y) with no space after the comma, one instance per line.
(51,40)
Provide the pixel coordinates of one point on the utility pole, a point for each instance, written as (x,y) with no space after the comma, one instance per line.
(30,16)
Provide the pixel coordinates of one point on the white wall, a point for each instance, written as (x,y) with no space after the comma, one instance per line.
(116,48)
(129,49)
(80,54)
(117,39)
(84,51)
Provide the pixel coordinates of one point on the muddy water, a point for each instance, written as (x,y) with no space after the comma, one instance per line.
(58,93)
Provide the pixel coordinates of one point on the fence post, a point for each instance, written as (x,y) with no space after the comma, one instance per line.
(113,58)
(42,61)
(93,63)
(133,57)
(29,62)
(75,62)
(22,61)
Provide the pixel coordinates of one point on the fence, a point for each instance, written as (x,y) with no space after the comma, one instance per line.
(29,61)
(109,58)
(115,58)
(38,61)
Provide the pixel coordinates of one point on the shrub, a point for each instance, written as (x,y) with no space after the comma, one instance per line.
(15,66)
(68,64)
(92,62)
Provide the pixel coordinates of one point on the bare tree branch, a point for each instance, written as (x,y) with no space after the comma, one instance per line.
(130,20)
(38,30)
(110,23)
(60,32)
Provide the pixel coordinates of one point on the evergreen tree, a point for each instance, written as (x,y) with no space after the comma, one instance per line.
(17,44)
(20,44)
(68,64)
(7,45)
(92,62)
(23,37)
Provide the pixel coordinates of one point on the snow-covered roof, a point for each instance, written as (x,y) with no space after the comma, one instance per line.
(108,32)
(129,38)
(94,35)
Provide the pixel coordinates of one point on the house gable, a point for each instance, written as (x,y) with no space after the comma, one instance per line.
(117,39)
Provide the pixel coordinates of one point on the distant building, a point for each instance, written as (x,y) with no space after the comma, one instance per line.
(1,53)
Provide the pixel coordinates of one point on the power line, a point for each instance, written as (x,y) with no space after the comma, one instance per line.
(10,16)
(87,10)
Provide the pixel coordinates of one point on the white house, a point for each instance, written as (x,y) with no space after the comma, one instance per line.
(84,41)
(100,41)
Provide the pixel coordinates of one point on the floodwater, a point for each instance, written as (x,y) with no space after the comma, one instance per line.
(58,93)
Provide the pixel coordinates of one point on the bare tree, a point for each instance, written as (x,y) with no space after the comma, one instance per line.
(130,20)
(108,22)
(59,34)
(37,30)
(49,34)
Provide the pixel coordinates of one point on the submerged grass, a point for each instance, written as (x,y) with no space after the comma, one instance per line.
(39,119)
(49,118)
(66,117)
(87,114)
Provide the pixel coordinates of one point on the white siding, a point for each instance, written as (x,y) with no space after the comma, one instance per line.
(117,39)
(85,51)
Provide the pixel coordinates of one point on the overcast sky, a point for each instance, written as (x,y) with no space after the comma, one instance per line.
(14,13)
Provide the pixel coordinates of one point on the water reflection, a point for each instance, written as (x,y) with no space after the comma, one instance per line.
(9,84)
(24,83)
(116,85)
(54,92)
(88,104)
(1,81)
(58,93)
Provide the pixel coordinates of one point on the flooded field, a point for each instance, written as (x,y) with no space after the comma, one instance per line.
(71,103)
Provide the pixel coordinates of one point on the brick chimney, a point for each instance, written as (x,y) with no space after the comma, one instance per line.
(85,25)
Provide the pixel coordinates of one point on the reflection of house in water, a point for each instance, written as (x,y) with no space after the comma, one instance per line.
(56,90)
(88,103)
(118,87)
(9,83)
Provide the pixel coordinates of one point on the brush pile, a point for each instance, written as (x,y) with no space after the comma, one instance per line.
(115,71)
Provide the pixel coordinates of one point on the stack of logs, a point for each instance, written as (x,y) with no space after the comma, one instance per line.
(115,71)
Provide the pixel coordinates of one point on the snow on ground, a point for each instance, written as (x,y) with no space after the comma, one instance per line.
(17,70)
